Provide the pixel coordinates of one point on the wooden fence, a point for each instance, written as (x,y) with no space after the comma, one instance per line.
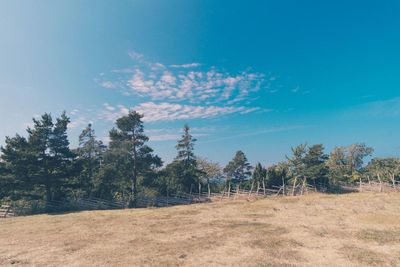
(6,211)
(76,203)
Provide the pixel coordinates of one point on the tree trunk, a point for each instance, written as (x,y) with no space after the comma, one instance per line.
(133,200)
(251,189)
(229,189)
(294,185)
(264,186)
(208,187)
(393,181)
(199,190)
(380,182)
(258,187)
(167,196)
(190,196)
(360,184)
(284,188)
(303,186)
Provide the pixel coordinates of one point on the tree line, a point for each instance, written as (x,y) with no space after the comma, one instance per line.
(42,166)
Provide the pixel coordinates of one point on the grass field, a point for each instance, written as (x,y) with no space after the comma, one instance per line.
(355,229)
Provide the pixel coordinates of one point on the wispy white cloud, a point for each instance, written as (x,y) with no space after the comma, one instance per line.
(186,66)
(177,83)
(108,84)
(383,108)
(170,111)
(176,92)
(253,133)
(135,56)
(79,121)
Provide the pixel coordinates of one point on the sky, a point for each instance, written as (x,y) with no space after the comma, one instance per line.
(256,76)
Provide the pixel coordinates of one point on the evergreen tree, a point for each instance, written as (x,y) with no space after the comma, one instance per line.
(129,152)
(190,175)
(238,170)
(43,161)
(90,155)
(17,169)
(315,168)
(297,166)
(258,177)
(277,175)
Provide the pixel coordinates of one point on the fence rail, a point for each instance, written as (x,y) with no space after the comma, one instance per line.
(77,203)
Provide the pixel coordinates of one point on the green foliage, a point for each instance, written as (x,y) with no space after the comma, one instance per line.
(182,175)
(345,163)
(42,162)
(90,155)
(238,170)
(277,175)
(42,167)
(210,174)
(130,155)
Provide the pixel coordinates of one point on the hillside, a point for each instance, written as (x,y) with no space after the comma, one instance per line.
(314,230)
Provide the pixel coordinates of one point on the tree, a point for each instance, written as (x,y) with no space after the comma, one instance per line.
(345,163)
(238,170)
(315,168)
(17,169)
(210,171)
(128,149)
(337,165)
(90,155)
(297,166)
(258,177)
(187,160)
(383,169)
(43,161)
(277,175)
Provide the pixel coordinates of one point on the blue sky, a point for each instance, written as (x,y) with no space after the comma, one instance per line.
(260,76)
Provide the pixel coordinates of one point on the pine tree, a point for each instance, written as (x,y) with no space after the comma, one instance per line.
(315,168)
(187,159)
(128,149)
(43,161)
(258,177)
(90,155)
(238,170)
(297,166)
(185,149)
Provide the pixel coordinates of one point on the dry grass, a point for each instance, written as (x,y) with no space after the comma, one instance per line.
(358,229)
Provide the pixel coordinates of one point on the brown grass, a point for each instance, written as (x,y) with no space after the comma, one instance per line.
(358,229)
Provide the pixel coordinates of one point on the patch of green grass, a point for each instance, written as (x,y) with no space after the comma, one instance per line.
(380,236)
(363,256)
(248,224)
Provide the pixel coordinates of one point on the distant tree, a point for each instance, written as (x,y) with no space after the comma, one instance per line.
(90,155)
(185,149)
(278,175)
(345,163)
(238,170)
(43,161)
(315,168)
(297,165)
(188,174)
(383,170)
(258,177)
(129,153)
(210,172)
(17,169)
(337,166)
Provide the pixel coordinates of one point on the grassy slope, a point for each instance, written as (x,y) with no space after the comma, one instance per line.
(313,230)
